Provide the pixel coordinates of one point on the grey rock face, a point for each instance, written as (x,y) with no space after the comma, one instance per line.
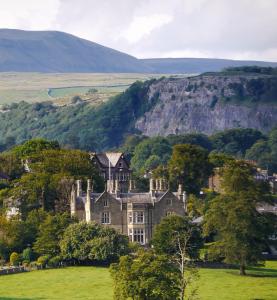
(198,104)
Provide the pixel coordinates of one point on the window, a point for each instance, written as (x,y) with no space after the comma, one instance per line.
(106,219)
(139,217)
(136,217)
(138,235)
(169,213)
(105,203)
(169,201)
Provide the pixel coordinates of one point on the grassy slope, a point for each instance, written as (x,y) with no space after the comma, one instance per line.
(33,87)
(95,283)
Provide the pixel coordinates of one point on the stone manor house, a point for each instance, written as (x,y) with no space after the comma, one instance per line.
(120,206)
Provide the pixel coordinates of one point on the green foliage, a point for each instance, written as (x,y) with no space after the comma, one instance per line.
(49,184)
(84,242)
(253,69)
(236,141)
(27,254)
(80,125)
(11,165)
(189,165)
(146,276)
(43,260)
(14,259)
(265,152)
(241,231)
(218,159)
(55,261)
(50,233)
(174,230)
(151,153)
(34,146)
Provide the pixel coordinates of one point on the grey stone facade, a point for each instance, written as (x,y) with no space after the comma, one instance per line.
(133,214)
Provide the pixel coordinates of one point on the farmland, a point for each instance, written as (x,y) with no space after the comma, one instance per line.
(61,87)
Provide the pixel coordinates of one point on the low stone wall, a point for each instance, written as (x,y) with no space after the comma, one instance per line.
(12,270)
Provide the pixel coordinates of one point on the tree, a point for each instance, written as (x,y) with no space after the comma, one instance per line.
(50,234)
(189,165)
(86,242)
(181,240)
(236,141)
(241,231)
(34,146)
(145,276)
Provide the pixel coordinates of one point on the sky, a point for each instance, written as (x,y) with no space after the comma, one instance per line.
(235,29)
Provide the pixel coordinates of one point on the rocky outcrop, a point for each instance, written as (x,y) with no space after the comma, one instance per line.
(206,104)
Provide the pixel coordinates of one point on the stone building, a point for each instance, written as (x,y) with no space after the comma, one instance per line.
(131,213)
(113,166)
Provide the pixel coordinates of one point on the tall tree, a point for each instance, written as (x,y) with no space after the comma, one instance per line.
(190,166)
(145,276)
(241,231)
(181,240)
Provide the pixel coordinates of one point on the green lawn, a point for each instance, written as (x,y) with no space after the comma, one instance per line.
(95,283)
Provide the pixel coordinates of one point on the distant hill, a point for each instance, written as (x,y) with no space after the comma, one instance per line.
(198,65)
(54,51)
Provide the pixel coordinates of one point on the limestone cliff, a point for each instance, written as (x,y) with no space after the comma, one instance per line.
(210,103)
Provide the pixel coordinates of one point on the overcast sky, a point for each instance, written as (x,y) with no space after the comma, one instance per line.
(238,29)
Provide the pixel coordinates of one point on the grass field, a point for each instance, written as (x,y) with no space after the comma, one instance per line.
(95,283)
(60,87)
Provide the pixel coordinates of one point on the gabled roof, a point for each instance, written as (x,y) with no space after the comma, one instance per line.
(114,157)
(108,158)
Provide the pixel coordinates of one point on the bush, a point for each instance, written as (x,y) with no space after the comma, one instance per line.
(42,261)
(55,261)
(27,254)
(14,259)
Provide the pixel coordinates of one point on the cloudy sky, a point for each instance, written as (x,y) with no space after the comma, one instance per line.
(238,29)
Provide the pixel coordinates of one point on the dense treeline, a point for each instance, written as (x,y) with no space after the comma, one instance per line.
(149,153)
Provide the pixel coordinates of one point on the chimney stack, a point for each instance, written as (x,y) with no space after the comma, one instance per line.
(73,201)
(79,188)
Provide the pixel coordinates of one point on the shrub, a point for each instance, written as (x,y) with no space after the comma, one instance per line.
(14,259)
(27,254)
(55,261)
(42,261)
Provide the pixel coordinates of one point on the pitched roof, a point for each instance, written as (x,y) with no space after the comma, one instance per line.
(114,157)
(108,157)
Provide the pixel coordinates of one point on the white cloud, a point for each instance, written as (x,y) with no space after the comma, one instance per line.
(142,27)
(146,28)
(28,14)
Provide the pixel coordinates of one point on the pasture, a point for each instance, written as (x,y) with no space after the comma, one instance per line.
(61,87)
(95,283)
